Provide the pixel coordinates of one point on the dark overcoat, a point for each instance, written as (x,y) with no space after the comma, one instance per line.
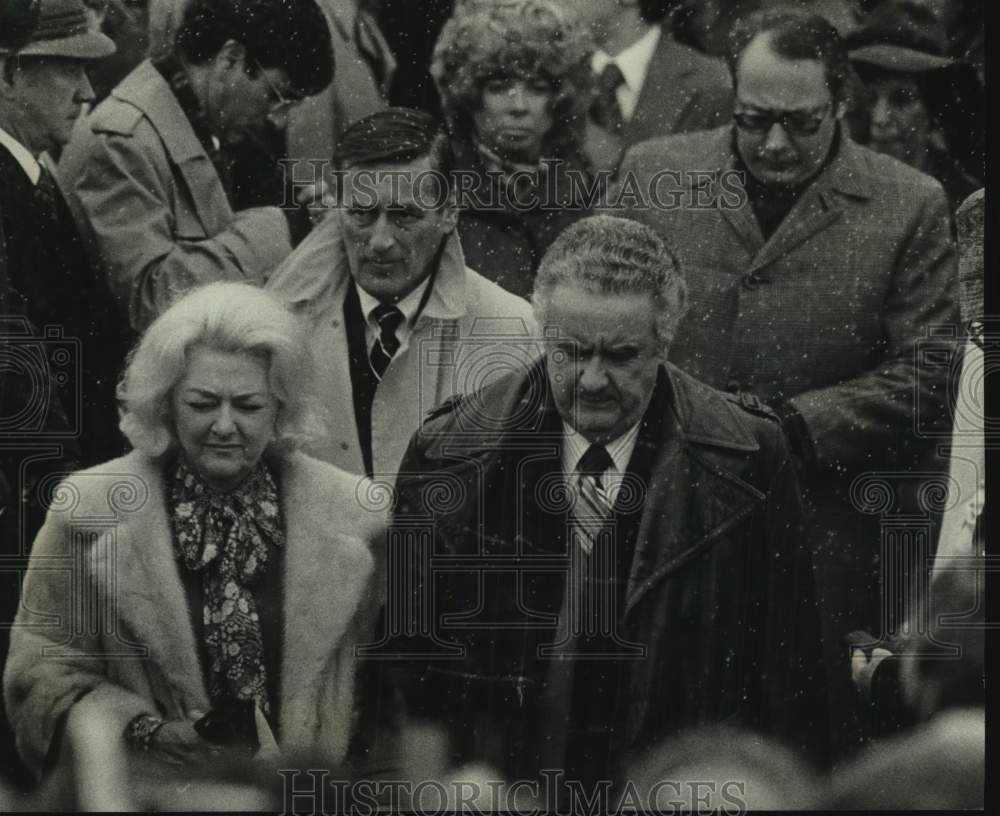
(719,590)
(67,300)
(504,239)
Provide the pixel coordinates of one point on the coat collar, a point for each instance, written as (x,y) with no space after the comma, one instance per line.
(524,404)
(849,172)
(315,276)
(847,176)
(146,89)
(694,495)
(152,602)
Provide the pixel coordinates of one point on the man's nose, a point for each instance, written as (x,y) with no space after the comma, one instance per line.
(881,115)
(776,139)
(84,90)
(593,376)
(383,236)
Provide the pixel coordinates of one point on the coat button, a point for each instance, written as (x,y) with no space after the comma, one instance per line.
(751,281)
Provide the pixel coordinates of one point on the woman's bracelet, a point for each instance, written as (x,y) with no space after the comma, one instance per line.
(141,730)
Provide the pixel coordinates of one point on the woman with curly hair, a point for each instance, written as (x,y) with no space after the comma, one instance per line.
(515,83)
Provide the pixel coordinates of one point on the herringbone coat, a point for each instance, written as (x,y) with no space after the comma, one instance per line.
(832,314)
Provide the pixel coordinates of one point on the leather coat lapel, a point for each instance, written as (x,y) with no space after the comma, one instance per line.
(689,505)
(692,499)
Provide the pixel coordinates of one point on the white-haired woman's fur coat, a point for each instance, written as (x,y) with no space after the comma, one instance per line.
(104,614)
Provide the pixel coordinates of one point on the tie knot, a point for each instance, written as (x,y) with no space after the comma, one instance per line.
(611,77)
(388,318)
(595,461)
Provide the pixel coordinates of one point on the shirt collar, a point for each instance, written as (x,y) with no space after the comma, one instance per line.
(408,305)
(633,61)
(575,445)
(32,169)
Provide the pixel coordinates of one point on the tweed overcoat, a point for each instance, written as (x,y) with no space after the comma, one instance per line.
(831,315)
(153,204)
(719,592)
(108,536)
(470,332)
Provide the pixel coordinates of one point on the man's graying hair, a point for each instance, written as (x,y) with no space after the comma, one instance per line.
(615,256)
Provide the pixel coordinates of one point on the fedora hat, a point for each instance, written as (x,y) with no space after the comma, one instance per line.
(901,36)
(61,29)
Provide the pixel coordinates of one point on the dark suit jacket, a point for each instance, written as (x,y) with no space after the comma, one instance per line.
(684,90)
(719,588)
(46,264)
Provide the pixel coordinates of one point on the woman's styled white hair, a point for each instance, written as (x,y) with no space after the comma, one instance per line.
(228,317)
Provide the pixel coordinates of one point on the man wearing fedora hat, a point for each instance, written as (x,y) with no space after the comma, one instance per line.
(46,287)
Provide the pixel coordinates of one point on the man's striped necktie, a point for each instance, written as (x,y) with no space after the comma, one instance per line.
(593,508)
(389,318)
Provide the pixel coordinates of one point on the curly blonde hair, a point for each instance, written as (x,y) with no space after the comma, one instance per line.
(525,39)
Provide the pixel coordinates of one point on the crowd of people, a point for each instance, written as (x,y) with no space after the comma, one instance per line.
(546,402)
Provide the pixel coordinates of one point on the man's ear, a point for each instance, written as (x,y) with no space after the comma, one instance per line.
(8,70)
(840,110)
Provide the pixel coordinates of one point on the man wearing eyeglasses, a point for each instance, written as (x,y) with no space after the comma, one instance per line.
(150,170)
(813,296)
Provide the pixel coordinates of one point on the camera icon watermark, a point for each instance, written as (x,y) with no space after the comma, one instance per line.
(40,364)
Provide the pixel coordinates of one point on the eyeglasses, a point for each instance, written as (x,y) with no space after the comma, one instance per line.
(795,123)
(282,103)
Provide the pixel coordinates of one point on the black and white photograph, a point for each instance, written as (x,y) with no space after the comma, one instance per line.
(529,406)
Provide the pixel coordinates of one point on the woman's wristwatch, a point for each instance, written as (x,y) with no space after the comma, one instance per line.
(141,730)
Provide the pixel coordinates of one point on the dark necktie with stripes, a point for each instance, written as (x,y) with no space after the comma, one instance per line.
(593,507)
(389,318)
(46,195)
(605,109)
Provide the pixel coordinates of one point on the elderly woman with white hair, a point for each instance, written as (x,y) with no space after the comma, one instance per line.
(206,589)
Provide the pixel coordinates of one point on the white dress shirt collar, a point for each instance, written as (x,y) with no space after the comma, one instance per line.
(408,306)
(32,169)
(575,445)
(634,64)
